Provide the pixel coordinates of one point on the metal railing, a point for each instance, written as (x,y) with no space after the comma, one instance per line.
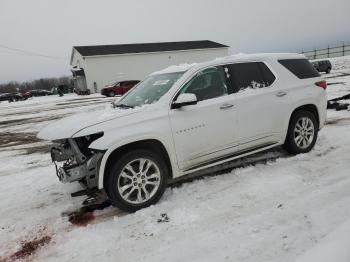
(328,52)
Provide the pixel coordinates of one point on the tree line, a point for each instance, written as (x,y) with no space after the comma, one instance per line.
(42,83)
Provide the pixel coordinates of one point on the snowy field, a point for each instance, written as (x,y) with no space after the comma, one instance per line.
(284,208)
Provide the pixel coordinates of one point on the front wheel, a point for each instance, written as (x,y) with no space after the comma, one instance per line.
(137,180)
(302,133)
(111,94)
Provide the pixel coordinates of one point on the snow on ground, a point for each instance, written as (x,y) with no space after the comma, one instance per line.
(277,210)
(33,114)
(340,63)
(337,242)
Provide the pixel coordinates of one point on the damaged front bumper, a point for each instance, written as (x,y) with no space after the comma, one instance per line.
(75,162)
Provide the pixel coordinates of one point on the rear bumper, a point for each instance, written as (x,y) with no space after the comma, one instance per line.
(322,111)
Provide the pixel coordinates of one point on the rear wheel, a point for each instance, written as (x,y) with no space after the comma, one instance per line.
(328,70)
(137,180)
(302,133)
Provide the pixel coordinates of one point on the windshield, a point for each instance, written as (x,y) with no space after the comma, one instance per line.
(150,90)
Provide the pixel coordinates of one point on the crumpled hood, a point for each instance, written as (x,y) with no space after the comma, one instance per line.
(68,126)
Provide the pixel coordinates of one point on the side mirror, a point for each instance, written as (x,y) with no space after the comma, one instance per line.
(184,100)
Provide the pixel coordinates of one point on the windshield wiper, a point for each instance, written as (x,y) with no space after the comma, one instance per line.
(123,106)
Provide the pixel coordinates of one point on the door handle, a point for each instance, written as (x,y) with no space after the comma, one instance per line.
(226,106)
(281,93)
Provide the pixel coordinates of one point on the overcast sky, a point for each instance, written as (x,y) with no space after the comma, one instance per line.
(52,27)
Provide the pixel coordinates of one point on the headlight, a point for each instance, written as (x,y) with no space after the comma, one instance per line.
(85,141)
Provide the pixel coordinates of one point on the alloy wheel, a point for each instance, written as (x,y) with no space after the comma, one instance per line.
(304,132)
(139,181)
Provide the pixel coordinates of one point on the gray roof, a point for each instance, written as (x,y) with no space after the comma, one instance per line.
(146,47)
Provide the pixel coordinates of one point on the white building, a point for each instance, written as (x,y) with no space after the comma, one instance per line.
(93,67)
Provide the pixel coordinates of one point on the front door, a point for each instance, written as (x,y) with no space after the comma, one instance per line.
(206,131)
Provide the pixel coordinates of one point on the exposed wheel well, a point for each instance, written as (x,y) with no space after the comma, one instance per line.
(149,144)
(310,108)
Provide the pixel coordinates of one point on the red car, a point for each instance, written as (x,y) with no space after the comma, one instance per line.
(118,88)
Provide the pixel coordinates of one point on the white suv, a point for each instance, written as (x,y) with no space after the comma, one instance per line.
(189,119)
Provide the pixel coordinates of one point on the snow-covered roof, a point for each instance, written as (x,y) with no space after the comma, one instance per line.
(232,58)
(264,55)
(174,69)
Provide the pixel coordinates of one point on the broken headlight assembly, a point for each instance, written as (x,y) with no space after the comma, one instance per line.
(75,161)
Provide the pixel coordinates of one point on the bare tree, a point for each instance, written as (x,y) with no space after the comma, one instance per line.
(42,83)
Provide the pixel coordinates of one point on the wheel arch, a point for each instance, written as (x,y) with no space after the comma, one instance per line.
(312,108)
(289,143)
(150,144)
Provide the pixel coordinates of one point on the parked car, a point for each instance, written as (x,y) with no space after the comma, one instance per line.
(26,95)
(118,88)
(322,66)
(11,97)
(82,92)
(38,92)
(63,88)
(189,120)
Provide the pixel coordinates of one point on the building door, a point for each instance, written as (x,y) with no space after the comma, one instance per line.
(79,81)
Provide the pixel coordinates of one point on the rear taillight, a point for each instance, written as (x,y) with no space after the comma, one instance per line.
(322,84)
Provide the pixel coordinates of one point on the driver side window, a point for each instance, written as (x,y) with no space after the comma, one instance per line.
(207,84)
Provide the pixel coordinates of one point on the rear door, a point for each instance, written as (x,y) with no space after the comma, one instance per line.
(262,105)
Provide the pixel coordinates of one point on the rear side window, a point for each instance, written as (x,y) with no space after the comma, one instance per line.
(250,75)
(301,68)
(269,77)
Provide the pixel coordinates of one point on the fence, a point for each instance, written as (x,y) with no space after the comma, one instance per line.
(328,52)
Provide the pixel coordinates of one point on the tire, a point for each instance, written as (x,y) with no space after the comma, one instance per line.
(111,94)
(126,186)
(302,133)
(328,70)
